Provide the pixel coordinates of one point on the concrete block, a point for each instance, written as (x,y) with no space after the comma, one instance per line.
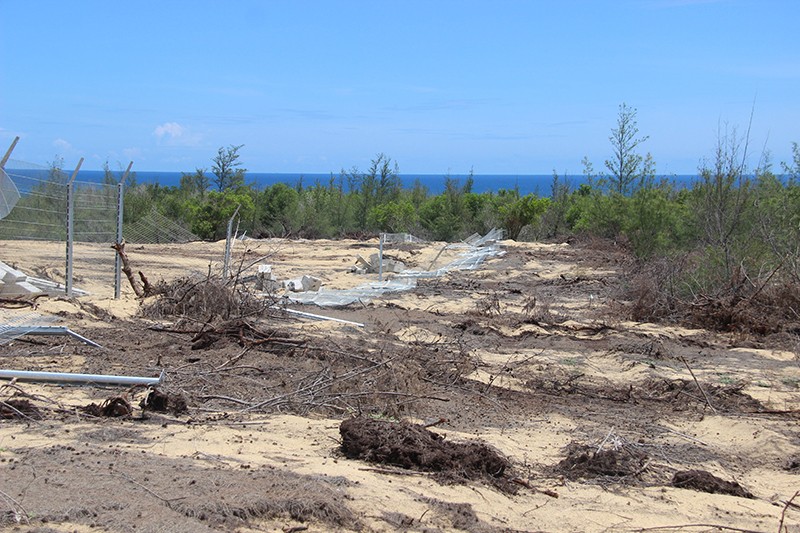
(389,265)
(265,279)
(20,288)
(304,284)
(310,283)
(11,275)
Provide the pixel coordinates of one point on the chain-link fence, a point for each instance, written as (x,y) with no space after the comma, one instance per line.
(55,207)
(41,212)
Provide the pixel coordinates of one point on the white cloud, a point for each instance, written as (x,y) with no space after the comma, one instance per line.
(62,145)
(172,130)
(173,134)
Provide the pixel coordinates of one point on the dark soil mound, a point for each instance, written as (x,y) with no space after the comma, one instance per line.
(703,481)
(584,461)
(413,447)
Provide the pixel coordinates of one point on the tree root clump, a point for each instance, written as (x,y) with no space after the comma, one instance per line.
(703,481)
(16,409)
(162,402)
(589,462)
(111,408)
(412,447)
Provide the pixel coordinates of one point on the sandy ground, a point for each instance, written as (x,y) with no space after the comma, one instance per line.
(530,354)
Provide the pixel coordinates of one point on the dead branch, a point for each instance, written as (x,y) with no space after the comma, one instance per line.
(148,289)
(16,508)
(708,402)
(785,508)
(686,526)
(126,268)
(318,385)
(19,302)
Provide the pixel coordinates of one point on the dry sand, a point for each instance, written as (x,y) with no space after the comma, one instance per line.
(568,370)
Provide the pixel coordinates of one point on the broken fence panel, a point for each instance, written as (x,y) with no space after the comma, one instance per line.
(477,250)
(19,331)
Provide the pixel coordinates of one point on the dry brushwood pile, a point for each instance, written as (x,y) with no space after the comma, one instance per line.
(520,396)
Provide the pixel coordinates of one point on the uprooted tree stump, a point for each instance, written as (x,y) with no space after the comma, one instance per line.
(412,447)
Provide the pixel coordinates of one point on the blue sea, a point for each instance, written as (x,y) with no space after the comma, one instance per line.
(539,184)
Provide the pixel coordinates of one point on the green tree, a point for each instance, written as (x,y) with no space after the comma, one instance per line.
(394,217)
(378,185)
(654,222)
(279,204)
(720,200)
(227,174)
(554,221)
(792,170)
(196,184)
(210,216)
(517,212)
(625,162)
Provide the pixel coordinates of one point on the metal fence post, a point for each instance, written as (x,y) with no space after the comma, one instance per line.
(8,152)
(70,227)
(226,262)
(120,208)
(380,257)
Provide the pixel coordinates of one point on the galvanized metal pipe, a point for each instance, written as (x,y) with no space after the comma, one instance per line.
(320,317)
(63,377)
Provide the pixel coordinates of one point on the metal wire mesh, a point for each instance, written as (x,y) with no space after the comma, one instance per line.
(16,324)
(40,213)
(155,228)
(95,212)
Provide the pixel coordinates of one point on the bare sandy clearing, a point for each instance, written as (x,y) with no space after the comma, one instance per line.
(258,448)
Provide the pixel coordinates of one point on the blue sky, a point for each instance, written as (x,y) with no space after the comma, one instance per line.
(502,87)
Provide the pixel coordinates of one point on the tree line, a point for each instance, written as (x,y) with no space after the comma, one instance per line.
(626,201)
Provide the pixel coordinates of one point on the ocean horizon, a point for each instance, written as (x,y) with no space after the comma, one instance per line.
(538,184)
